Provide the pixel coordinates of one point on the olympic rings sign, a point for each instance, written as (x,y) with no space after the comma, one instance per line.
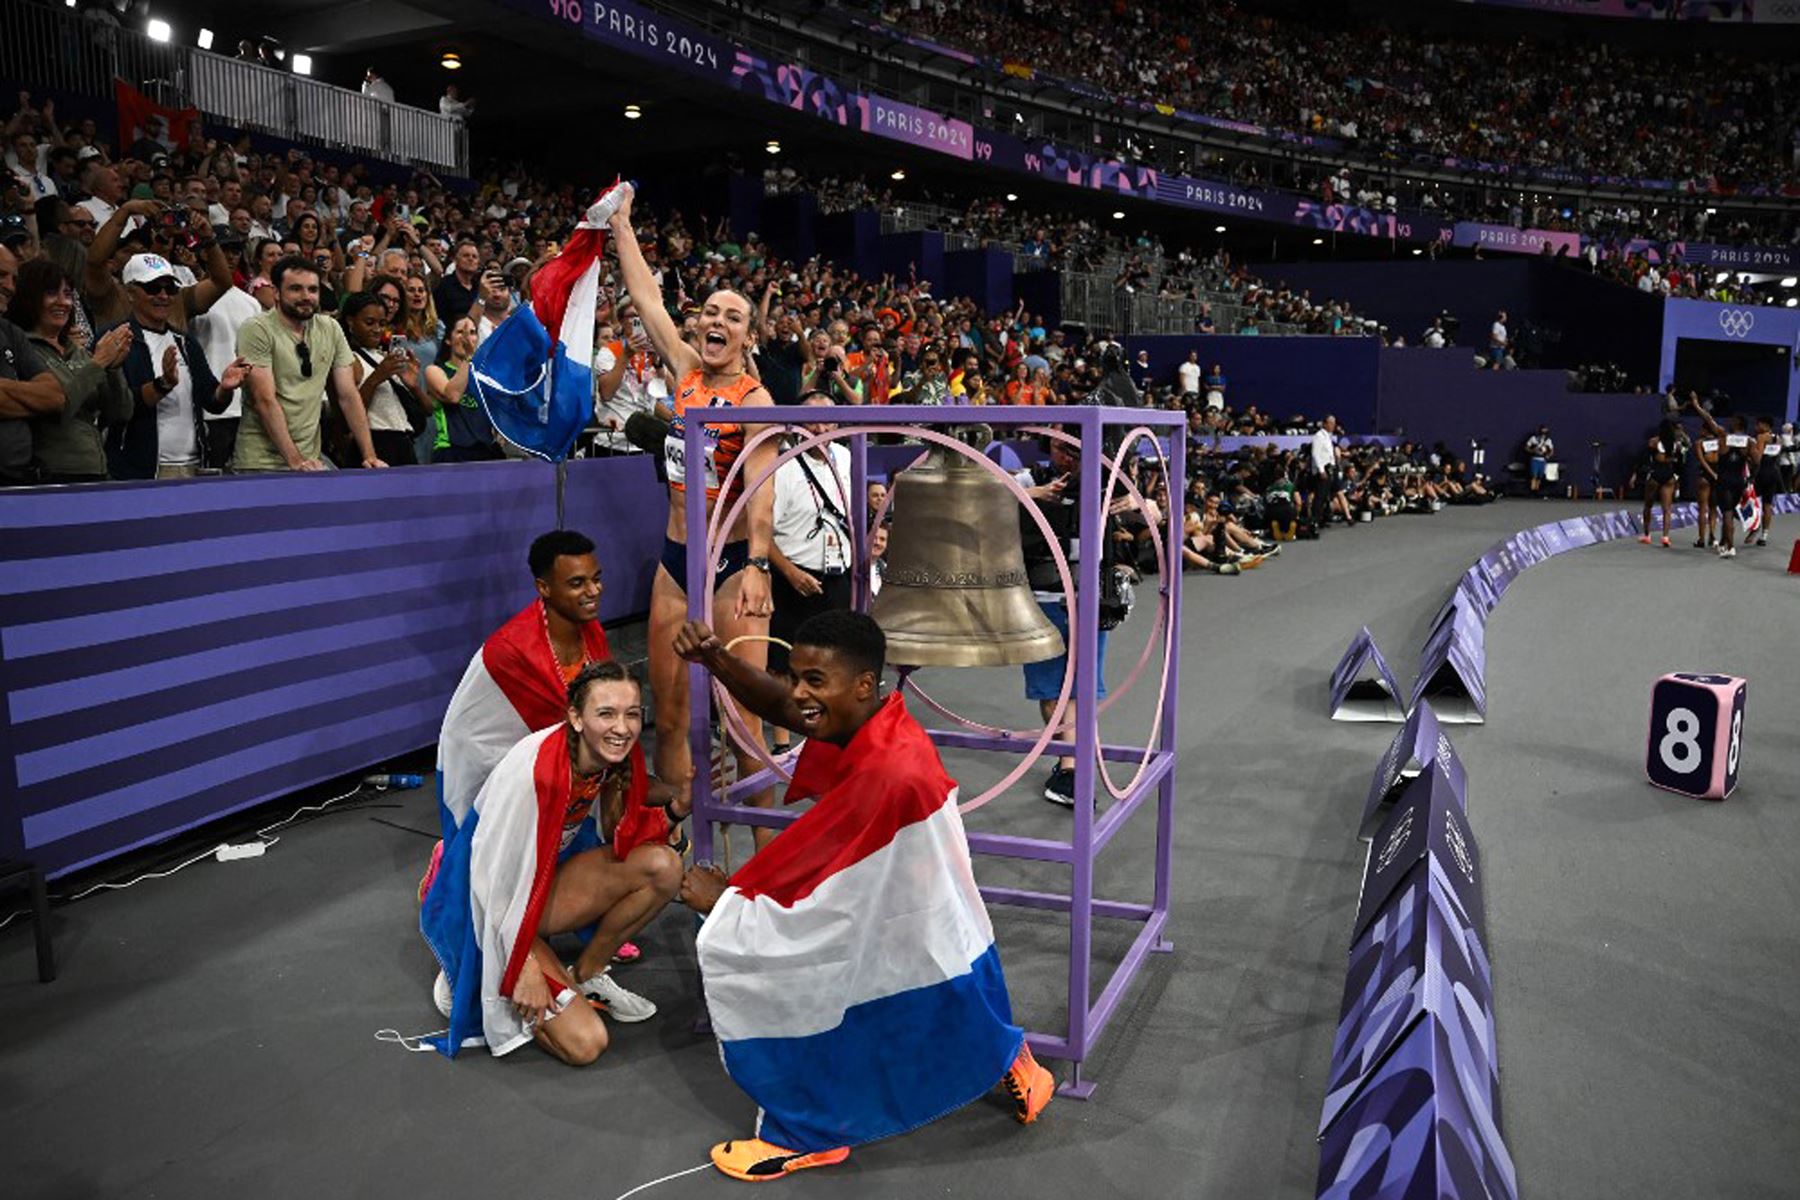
(1737,322)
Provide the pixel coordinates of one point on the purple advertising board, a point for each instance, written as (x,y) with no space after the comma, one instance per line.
(1427,821)
(1420,744)
(1420,960)
(1413,1132)
(1742,324)
(1507,240)
(1363,688)
(640,31)
(1452,675)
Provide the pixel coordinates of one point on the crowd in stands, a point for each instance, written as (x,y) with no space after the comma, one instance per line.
(1706,120)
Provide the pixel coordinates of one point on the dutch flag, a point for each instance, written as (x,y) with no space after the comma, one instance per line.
(501,800)
(850,970)
(1749,509)
(536,388)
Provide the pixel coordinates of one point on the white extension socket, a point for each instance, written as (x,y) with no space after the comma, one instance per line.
(227,852)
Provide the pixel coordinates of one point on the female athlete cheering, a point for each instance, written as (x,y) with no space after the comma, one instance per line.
(712,375)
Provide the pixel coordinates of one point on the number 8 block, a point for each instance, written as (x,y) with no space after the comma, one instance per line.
(1696,734)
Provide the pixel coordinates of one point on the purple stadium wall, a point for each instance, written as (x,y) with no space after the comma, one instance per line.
(173,652)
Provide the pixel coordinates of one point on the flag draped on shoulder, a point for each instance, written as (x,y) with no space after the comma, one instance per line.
(502,829)
(850,969)
(534,375)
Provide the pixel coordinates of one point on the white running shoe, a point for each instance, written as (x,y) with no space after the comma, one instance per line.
(620,1004)
(601,210)
(1727,551)
(441,994)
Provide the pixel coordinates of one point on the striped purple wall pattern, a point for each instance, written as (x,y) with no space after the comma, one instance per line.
(173,652)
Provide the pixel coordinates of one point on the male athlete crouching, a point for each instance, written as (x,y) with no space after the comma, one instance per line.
(563,836)
(850,968)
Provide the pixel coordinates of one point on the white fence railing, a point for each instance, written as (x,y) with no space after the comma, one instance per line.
(57,49)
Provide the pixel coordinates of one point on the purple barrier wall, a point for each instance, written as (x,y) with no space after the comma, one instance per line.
(985,276)
(899,254)
(1435,395)
(1589,319)
(790,225)
(1042,293)
(849,239)
(173,652)
(1280,375)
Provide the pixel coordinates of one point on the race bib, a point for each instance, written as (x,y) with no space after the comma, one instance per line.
(1737,441)
(1710,446)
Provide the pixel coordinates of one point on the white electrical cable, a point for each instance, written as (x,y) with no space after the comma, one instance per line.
(262,833)
(677,1175)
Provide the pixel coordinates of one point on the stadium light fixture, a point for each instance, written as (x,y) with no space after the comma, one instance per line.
(1118,215)
(633,112)
(1417,251)
(1790,281)
(205,39)
(898,175)
(1218,229)
(774,147)
(1012,197)
(69,3)
(158,30)
(302,64)
(1318,241)
(1793,302)
(450,61)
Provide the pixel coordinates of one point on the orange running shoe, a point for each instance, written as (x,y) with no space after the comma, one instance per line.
(1029,1085)
(757,1161)
(1645,539)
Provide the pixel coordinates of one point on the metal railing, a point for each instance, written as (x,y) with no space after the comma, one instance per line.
(60,50)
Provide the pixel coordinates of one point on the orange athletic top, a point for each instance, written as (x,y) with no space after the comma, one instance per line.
(723,442)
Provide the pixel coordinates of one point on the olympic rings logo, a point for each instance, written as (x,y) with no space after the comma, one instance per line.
(1737,322)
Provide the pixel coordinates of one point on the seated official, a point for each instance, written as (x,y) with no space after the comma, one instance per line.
(560,840)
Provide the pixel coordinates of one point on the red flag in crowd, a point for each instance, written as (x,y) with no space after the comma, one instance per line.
(144,124)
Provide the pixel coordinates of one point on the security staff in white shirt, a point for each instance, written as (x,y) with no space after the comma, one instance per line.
(811,550)
(1325,472)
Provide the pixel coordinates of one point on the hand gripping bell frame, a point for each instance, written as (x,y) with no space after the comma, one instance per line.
(1154,778)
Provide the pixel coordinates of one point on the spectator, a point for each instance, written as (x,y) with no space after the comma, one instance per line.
(462,431)
(1216,382)
(1187,375)
(66,442)
(377,88)
(1540,450)
(296,358)
(451,104)
(217,330)
(496,304)
(27,387)
(172,234)
(459,292)
(381,370)
(1497,342)
(169,381)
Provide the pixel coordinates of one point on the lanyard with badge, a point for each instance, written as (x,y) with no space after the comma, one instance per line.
(834,558)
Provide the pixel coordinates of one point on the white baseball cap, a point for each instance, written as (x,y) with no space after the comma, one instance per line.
(147,268)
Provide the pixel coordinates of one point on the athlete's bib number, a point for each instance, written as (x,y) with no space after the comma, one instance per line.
(1710,446)
(675,456)
(1737,441)
(1680,746)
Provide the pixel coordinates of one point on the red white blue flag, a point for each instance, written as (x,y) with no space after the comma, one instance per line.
(850,970)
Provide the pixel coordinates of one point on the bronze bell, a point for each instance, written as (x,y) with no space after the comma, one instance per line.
(955,593)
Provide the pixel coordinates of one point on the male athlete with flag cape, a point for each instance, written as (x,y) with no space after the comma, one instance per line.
(517,683)
(849,967)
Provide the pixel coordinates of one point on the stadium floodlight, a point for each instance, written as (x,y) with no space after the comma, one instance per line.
(158,30)
(205,39)
(1218,229)
(451,61)
(1119,215)
(774,147)
(1790,281)
(898,175)
(1793,302)
(1318,241)
(1012,197)
(633,112)
(302,64)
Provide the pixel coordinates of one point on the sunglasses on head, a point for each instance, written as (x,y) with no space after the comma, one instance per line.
(160,287)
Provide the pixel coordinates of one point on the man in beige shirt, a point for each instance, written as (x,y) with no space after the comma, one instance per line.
(294,355)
